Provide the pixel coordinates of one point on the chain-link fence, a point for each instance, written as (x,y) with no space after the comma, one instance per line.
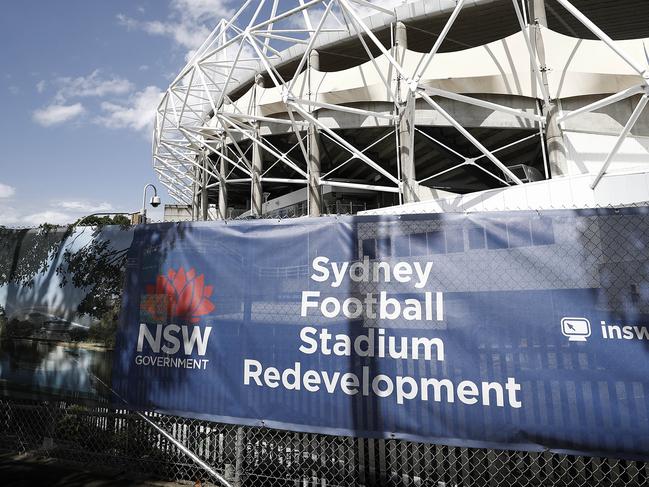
(101,437)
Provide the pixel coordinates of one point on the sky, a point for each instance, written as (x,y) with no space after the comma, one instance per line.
(79,84)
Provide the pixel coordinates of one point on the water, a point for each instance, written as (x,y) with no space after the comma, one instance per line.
(51,367)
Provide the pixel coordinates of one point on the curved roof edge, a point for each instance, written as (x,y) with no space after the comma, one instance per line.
(409,11)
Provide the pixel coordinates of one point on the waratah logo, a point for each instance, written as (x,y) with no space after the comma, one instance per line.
(178,296)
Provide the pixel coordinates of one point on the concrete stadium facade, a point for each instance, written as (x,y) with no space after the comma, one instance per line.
(346,106)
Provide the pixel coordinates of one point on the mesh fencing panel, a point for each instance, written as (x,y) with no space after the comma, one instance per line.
(101,437)
(98,436)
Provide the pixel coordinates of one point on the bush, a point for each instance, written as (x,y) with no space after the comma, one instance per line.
(3,322)
(105,329)
(20,329)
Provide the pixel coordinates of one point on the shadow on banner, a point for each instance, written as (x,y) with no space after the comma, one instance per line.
(513,330)
(60,296)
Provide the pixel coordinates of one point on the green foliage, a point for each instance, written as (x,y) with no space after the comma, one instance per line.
(77,334)
(3,322)
(121,220)
(105,330)
(99,269)
(77,426)
(19,329)
(96,267)
(99,221)
(26,253)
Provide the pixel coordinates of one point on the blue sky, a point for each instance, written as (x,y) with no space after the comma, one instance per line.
(80,80)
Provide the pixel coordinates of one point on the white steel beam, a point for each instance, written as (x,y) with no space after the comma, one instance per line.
(373,38)
(426,60)
(604,102)
(268,147)
(576,13)
(484,104)
(618,143)
(344,143)
(343,108)
(250,42)
(471,139)
(370,187)
(532,53)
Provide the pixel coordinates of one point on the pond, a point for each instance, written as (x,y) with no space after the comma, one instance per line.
(54,367)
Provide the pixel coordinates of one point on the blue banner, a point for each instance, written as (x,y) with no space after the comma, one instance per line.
(503,330)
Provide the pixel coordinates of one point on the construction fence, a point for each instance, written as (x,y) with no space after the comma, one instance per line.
(72,388)
(100,438)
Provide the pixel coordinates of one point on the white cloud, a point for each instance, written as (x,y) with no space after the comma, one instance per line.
(93,85)
(55,213)
(202,10)
(96,85)
(84,206)
(128,22)
(188,24)
(184,33)
(55,114)
(6,191)
(8,216)
(137,113)
(52,217)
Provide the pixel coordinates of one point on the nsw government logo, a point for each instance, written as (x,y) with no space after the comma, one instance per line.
(576,329)
(172,309)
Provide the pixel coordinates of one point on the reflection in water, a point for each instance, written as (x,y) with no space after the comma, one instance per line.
(60,297)
(54,367)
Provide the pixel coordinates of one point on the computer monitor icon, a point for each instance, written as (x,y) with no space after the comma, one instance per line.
(576,329)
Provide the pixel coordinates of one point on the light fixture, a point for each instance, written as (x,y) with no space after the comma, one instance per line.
(155,201)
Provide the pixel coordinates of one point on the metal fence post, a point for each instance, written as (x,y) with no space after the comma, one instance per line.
(238,457)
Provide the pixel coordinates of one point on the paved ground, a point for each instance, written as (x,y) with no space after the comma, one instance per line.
(25,470)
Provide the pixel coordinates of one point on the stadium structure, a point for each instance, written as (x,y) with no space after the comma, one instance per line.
(301,107)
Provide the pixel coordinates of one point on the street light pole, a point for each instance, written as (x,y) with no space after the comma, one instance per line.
(155,200)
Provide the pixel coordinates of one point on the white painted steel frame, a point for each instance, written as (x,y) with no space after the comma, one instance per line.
(196,111)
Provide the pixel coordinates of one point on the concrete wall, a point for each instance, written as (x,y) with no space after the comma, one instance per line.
(567,192)
(590,137)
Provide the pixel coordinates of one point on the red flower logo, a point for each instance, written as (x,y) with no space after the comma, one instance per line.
(179,295)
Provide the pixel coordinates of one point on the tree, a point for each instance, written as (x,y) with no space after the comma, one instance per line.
(26,253)
(3,322)
(101,220)
(98,268)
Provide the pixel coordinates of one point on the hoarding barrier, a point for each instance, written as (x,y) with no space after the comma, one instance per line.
(507,349)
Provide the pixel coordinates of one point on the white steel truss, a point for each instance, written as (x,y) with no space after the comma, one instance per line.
(198,116)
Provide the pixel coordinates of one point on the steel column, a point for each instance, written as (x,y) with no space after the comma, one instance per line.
(406,123)
(554,136)
(204,181)
(314,165)
(256,191)
(195,190)
(222,210)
